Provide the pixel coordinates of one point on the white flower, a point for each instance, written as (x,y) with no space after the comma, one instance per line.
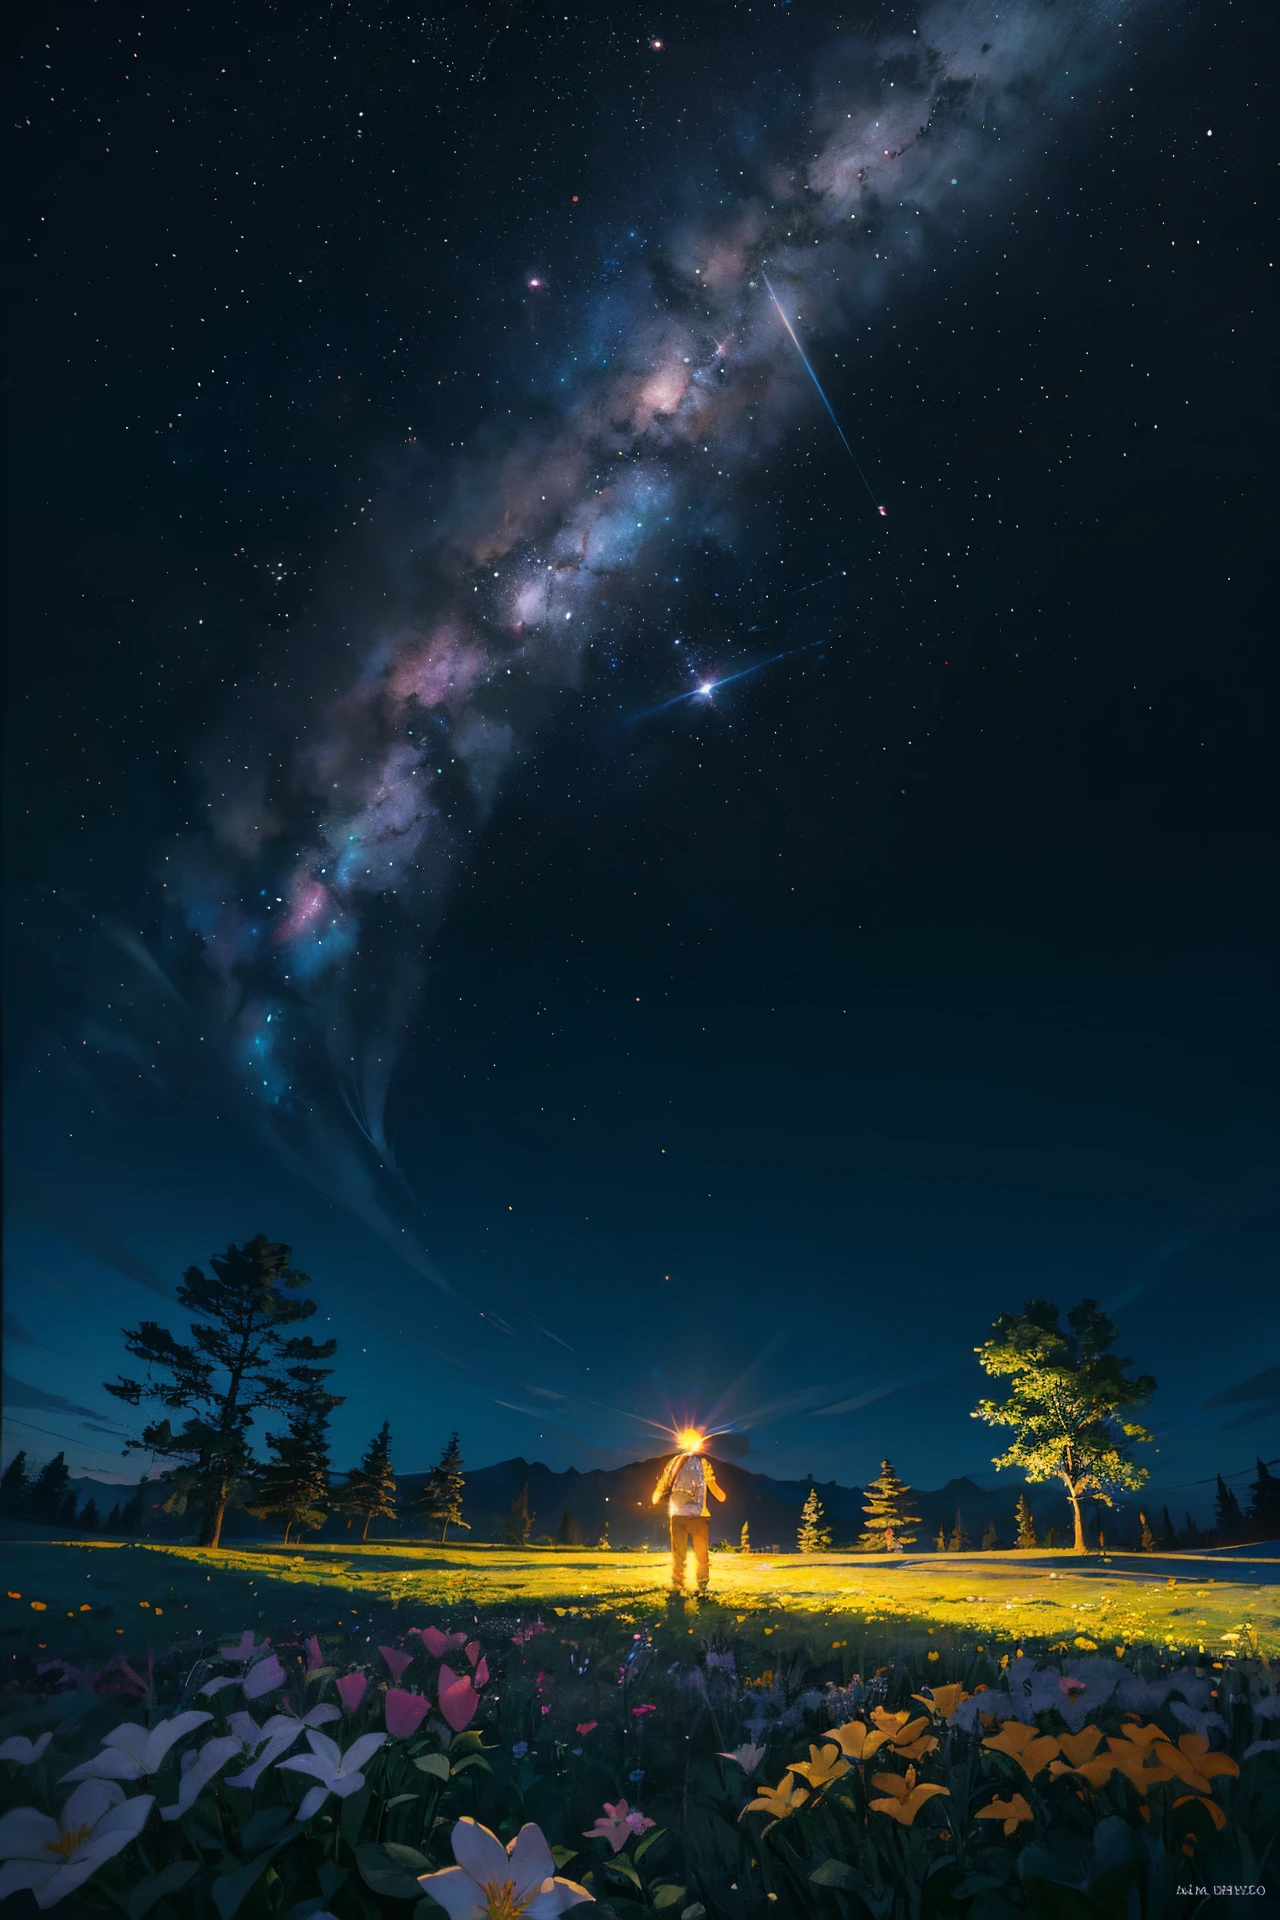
(268,1742)
(25,1752)
(213,1755)
(747,1756)
(131,1753)
(336,1771)
(211,1687)
(264,1677)
(493,1882)
(54,1857)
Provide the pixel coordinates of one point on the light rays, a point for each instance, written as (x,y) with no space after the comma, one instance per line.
(844,441)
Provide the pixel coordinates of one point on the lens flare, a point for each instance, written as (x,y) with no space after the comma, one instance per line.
(689,1440)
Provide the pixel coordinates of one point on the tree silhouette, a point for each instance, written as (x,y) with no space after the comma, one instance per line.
(90,1519)
(14,1485)
(48,1492)
(238,1362)
(439,1501)
(371,1487)
(990,1538)
(744,1539)
(886,1506)
(1228,1519)
(1069,1404)
(568,1533)
(959,1541)
(1264,1508)
(519,1521)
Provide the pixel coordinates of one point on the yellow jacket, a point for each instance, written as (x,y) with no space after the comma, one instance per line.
(686,1480)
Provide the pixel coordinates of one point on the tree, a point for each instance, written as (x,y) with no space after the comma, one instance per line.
(1070,1404)
(1146,1539)
(812,1536)
(239,1362)
(1168,1533)
(440,1499)
(959,1541)
(1264,1508)
(886,1507)
(48,1491)
(90,1518)
(744,1539)
(371,1487)
(1026,1523)
(519,1521)
(940,1544)
(131,1512)
(1191,1534)
(1051,1537)
(67,1509)
(990,1538)
(294,1486)
(14,1484)
(1228,1519)
(568,1533)
(113,1519)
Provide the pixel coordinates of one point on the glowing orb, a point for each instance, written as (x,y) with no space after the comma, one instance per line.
(707,689)
(689,1440)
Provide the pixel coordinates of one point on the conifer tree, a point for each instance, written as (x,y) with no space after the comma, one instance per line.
(90,1518)
(940,1544)
(67,1510)
(1229,1521)
(1191,1535)
(812,1536)
(48,1490)
(14,1484)
(1051,1537)
(568,1533)
(113,1519)
(1146,1539)
(439,1502)
(1026,1523)
(1168,1533)
(238,1362)
(519,1521)
(990,1538)
(887,1508)
(959,1541)
(131,1512)
(1264,1507)
(294,1486)
(744,1539)
(371,1487)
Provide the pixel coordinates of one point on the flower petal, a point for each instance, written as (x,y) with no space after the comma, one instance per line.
(263,1678)
(360,1750)
(213,1756)
(480,1852)
(17,1874)
(455,1890)
(312,1801)
(25,1833)
(167,1734)
(91,1802)
(530,1859)
(555,1898)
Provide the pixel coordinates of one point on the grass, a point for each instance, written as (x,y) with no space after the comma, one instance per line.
(92,1597)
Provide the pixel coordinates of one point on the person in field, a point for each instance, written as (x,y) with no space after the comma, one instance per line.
(685,1481)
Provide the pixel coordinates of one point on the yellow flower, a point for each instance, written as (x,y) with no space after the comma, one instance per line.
(1032,1750)
(857,1739)
(779,1801)
(824,1765)
(1013,1812)
(1192,1763)
(943,1700)
(916,1749)
(904,1798)
(1080,1746)
(933,1655)
(911,1731)
(889,1723)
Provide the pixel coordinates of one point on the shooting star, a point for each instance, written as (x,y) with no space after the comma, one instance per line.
(882,511)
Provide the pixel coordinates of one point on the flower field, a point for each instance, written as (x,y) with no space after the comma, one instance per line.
(376,1731)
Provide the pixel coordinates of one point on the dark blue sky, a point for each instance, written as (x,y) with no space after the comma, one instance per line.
(754,1055)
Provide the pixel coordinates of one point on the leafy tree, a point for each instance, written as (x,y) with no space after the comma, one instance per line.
(1228,1519)
(990,1538)
(519,1521)
(239,1362)
(568,1533)
(812,1536)
(1264,1508)
(1070,1402)
(48,1491)
(1026,1523)
(440,1499)
(959,1541)
(744,1539)
(887,1513)
(371,1487)
(14,1484)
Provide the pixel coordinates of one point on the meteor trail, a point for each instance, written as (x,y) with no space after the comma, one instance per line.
(818,384)
(705,688)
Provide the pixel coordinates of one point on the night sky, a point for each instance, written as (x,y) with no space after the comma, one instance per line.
(401,434)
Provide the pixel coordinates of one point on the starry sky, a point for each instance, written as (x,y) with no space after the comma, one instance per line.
(678,886)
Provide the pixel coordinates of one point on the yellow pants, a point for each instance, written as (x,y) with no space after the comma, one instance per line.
(686,1527)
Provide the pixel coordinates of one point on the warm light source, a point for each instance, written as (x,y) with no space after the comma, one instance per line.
(689,1440)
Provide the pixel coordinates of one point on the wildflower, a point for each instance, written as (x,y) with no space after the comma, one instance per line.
(493,1882)
(195,1777)
(825,1764)
(263,1677)
(246,1650)
(435,1641)
(315,1659)
(780,1801)
(858,1740)
(747,1756)
(351,1690)
(904,1798)
(264,1744)
(1071,1686)
(1192,1763)
(396,1661)
(53,1857)
(24,1753)
(457,1697)
(336,1772)
(404,1712)
(1013,1812)
(916,1749)
(520,1749)
(942,1700)
(890,1724)
(1032,1750)
(586,1726)
(617,1824)
(1211,1807)
(129,1752)
(1078,1747)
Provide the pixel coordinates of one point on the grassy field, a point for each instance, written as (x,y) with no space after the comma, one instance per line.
(83,1597)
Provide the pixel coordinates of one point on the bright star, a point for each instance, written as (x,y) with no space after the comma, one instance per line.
(707,689)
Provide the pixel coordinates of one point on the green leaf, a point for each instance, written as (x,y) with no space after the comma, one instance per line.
(395,1878)
(563,1855)
(834,1873)
(409,1858)
(170,1879)
(648,1841)
(351,1819)
(694,1912)
(262,1828)
(400,1800)
(621,1865)
(469,1742)
(434,1763)
(230,1890)
(667,1896)
(472,1760)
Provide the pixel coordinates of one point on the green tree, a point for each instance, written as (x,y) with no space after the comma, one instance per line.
(294,1486)
(439,1502)
(812,1536)
(1264,1508)
(239,1362)
(887,1509)
(371,1487)
(113,1519)
(1026,1523)
(48,1490)
(519,1521)
(744,1539)
(1229,1524)
(14,1485)
(1070,1404)
(568,1533)
(959,1541)
(990,1538)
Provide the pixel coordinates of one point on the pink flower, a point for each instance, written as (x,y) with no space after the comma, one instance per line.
(436,1642)
(587,1726)
(315,1659)
(636,1712)
(351,1690)
(472,1651)
(481,1674)
(526,1634)
(396,1661)
(617,1824)
(405,1712)
(1071,1686)
(458,1698)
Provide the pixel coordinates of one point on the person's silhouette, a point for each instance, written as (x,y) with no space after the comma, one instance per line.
(685,1481)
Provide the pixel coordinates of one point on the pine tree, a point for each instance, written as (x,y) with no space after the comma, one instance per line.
(1146,1539)
(371,1487)
(1051,1537)
(90,1518)
(14,1484)
(519,1521)
(568,1533)
(812,1536)
(294,1487)
(990,1538)
(48,1490)
(1229,1521)
(1264,1508)
(959,1541)
(940,1543)
(131,1513)
(1168,1533)
(113,1519)
(439,1502)
(1191,1534)
(1026,1523)
(67,1510)
(887,1509)
(744,1539)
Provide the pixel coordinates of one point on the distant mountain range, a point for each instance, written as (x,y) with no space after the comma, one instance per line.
(621,1498)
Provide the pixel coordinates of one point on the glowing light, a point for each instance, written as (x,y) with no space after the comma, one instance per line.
(535,283)
(689,1440)
(707,689)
